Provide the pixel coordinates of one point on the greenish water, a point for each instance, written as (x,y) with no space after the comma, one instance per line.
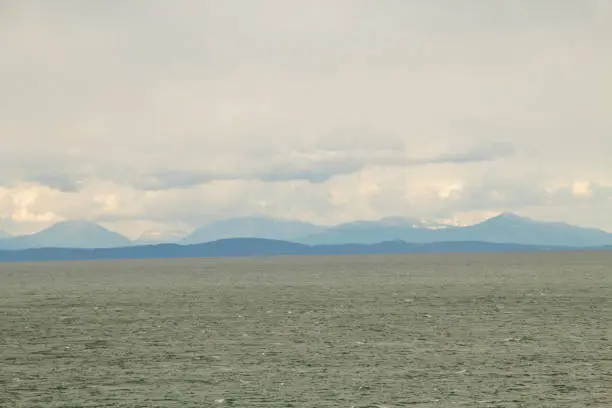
(364,331)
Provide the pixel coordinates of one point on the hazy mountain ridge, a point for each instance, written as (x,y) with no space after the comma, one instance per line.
(68,234)
(257,247)
(252,227)
(508,227)
(504,228)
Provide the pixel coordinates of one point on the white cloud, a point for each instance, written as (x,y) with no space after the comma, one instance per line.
(581,188)
(163,115)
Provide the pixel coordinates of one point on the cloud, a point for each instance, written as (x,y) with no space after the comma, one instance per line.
(180,112)
(316,166)
(61,182)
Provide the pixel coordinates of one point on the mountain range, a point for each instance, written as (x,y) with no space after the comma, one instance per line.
(503,228)
(506,228)
(258,247)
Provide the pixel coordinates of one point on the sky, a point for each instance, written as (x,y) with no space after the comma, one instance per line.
(161,116)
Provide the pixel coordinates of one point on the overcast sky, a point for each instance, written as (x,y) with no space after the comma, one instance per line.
(159,115)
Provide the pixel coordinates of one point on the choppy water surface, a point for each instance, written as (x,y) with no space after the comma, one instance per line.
(364,331)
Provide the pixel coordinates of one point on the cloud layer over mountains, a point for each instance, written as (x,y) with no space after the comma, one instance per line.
(163,116)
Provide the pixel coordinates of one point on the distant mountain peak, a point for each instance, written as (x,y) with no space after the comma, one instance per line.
(509,216)
(69,233)
(75,225)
